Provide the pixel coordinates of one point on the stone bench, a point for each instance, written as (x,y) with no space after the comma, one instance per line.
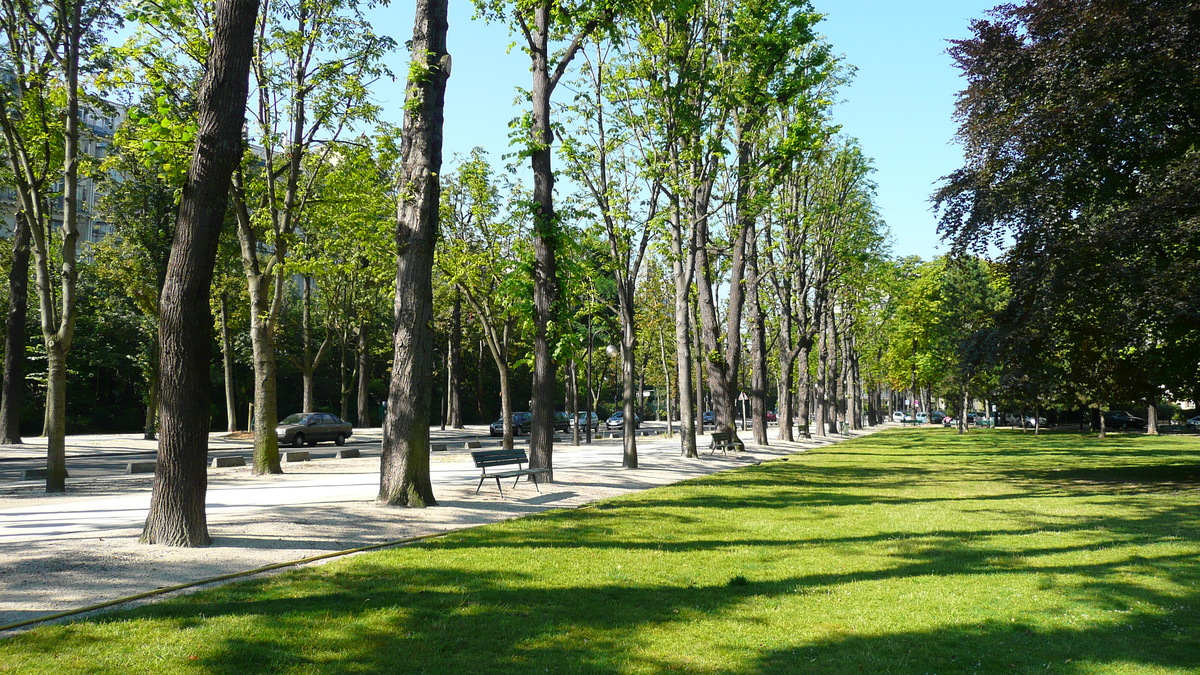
(35,474)
(222,462)
(140,467)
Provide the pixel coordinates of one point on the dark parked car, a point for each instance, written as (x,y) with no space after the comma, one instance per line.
(617,421)
(1119,419)
(594,421)
(522,422)
(312,428)
(562,421)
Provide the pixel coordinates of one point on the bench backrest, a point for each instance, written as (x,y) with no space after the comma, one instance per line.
(720,437)
(486,458)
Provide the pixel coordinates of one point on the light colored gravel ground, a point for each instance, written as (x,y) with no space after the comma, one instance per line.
(69,551)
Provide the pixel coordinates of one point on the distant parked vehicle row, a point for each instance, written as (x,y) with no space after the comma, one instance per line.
(523,422)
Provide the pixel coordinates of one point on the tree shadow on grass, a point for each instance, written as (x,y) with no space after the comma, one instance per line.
(1135,478)
(389,613)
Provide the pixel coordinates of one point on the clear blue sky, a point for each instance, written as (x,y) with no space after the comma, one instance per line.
(899,104)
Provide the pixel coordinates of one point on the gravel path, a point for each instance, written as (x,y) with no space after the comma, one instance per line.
(80,548)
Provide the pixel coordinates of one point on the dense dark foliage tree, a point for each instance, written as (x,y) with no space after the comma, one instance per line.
(1081,126)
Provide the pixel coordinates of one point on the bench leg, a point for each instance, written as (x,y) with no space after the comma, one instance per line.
(534,478)
(477,487)
(498,487)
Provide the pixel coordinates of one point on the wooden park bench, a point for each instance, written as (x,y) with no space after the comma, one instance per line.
(723,440)
(485,459)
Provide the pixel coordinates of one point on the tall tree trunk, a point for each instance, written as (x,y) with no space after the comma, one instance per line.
(266,398)
(363,401)
(149,432)
(785,410)
(545,234)
(307,364)
(177,514)
(820,390)
(58,322)
(227,360)
(629,457)
(697,365)
(722,362)
(855,386)
(689,409)
(670,395)
(962,419)
(1152,420)
(454,367)
(758,347)
(345,377)
(573,401)
(56,409)
(14,335)
(479,390)
(404,465)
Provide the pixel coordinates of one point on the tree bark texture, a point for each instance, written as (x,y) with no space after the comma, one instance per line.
(454,367)
(362,398)
(545,236)
(404,464)
(177,516)
(682,268)
(150,431)
(758,347)
(14,335)
(58,322)
(266,393)
(629,456)
(308,365)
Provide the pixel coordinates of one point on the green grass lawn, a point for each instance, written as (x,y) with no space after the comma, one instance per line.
(910,551)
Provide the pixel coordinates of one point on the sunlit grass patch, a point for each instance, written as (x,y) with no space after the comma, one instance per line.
(908,551)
